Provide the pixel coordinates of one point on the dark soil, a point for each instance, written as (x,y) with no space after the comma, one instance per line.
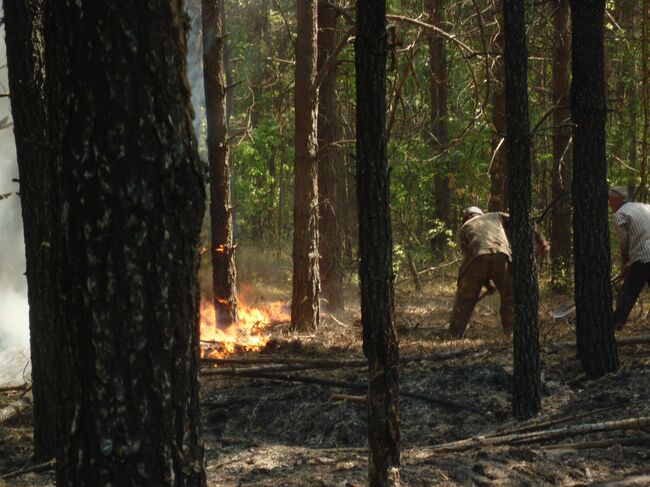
(263,432)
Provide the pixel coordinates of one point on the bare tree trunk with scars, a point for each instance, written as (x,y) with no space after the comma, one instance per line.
(375,246)
(593,294)
(224,273)
(24,34)
(132,200)
(330,166)
(306,278)
(526,397)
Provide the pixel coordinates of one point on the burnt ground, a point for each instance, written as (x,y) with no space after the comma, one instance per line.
(262,432)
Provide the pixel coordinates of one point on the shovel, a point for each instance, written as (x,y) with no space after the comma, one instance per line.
(566,308)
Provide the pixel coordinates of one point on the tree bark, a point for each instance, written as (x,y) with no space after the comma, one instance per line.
(498,168)
(642,192)
(561,213)
(375,245)
(439,130)
(593,294)
(224,272)
(330,166)
(132,201)
(306,280)
(527,394)
(24,34)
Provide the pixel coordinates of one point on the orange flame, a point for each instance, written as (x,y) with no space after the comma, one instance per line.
(220,249)
(250,333)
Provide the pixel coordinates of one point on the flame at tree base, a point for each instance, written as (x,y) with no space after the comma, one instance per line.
(249,334)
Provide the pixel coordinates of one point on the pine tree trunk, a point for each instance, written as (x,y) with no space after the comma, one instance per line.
(132,200)
(527,396)
(330,166)
(561,213)
(375,245)
(306,280)
(593,294)
(224,273)
(439,131)
(498,168)
(24,31)
(642,193)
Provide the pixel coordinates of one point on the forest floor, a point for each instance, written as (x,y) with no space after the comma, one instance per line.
(262,432)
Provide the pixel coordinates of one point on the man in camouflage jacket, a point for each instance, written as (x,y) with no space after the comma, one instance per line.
(487,259)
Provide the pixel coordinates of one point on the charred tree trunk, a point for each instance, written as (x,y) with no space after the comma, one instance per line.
(24,34)
(306,280)
(527,396)
(561,213)
(439,131)
(499,165)
(224,273)
(593,293)
(132,200)
(329,166)
(375,245)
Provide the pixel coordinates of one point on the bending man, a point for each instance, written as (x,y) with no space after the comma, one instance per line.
(487,259)
(632,222)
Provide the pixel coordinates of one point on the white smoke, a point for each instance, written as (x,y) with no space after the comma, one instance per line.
(14,319)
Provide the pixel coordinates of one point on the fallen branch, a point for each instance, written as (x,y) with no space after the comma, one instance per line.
(585,445)
(41,467)
(331,383)
(334,364)
(348,397)
(620,341)
(518,438)
(15,408)
(21,387)
(538,425)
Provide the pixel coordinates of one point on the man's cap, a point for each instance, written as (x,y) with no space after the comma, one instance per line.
(618,191)
(472,210)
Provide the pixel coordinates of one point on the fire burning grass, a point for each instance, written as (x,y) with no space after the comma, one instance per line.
(249,334)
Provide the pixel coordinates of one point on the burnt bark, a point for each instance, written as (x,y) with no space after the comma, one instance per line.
(330,166)
(561,179)
(224,273)
(526,397)
(24,34)
(306,280)
(132,199)
(498,168)
(593,294)
(439,130)
(375,245)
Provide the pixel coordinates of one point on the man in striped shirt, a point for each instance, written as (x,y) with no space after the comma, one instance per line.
(632,222)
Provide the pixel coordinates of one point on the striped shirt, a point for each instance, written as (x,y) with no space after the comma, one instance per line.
(633,227)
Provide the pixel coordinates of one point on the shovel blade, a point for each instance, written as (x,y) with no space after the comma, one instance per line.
(564,309)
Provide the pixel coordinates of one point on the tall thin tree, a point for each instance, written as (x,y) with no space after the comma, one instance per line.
(593,293)
(131,204)
(24,34)
(561,176)
(330,164)
(439,130)
(306,278)
(498,168)
(224,273)
(526,397)
(375,245)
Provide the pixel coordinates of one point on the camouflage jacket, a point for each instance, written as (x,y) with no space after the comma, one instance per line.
(484,234)
(490,234)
